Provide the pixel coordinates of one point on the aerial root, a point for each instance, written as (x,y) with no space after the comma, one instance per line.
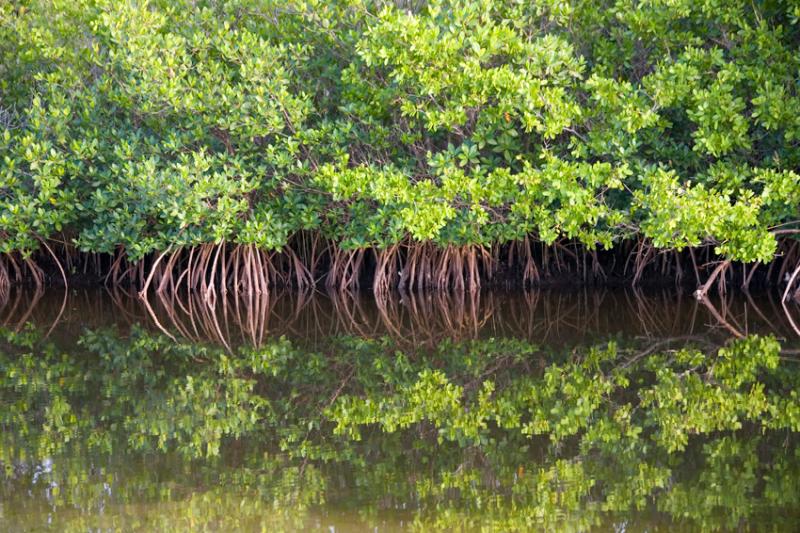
(791,283)
(345,269)
(387,269)
(461,268)
(310,260)
(718,272)
(213,268)
(530,273)
(5,279)
(35,272)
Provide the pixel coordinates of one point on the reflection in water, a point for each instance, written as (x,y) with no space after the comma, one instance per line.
(563,411)
(555,317)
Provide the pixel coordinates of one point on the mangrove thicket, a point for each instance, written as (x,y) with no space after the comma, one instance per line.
(243,144)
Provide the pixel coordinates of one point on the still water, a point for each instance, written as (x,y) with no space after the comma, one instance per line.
(587,410)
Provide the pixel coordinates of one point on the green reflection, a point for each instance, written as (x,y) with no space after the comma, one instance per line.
(134,431)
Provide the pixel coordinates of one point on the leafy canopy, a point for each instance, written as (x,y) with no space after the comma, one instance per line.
(155,124)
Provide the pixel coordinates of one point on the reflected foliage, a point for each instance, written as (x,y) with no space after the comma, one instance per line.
(134,431)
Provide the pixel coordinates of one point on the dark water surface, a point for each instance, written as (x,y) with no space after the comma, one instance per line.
(584,410)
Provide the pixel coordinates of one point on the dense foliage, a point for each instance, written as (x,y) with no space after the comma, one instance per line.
(134,431)
(146,126)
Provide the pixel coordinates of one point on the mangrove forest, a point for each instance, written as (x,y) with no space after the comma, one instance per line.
(217,145)
(399,265)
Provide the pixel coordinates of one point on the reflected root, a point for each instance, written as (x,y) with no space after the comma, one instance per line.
(723,317)
(224,319)
(428,318)
(15,313)
(739,323)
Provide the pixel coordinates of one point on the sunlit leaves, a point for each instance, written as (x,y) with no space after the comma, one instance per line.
(146,126)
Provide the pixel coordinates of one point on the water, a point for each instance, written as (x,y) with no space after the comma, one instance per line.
(586,410)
